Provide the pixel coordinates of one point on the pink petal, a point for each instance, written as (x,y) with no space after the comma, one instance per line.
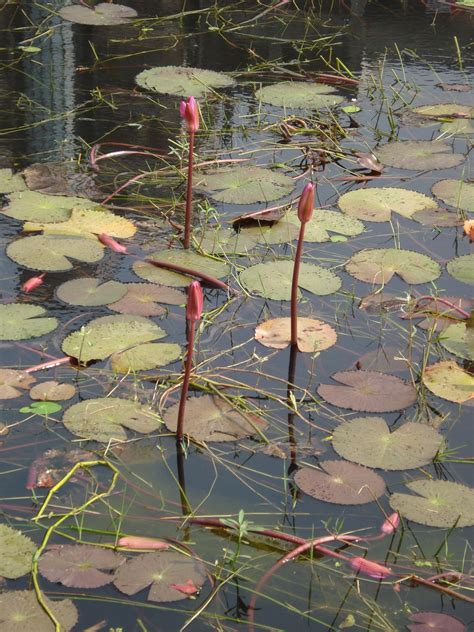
(139,542)
(188,588)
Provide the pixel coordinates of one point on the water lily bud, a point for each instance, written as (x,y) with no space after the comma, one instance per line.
(390,525)
(110,242)
(371,569)
(33,283)
(189,111)
(195,302)
(306,203)
(140,542)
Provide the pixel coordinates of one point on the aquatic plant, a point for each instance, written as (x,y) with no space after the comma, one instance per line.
(189,111)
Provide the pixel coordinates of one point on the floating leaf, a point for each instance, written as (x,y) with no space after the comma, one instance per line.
(225,241)
(313,335)
(455,193)
(351,109)
(11,183)
(419,154)
(103,336)
(141,298)
(458,338)
(324,222)
(20,610)
(368,391)
(281,232)
(454,87)
(211,418)
(462,268)
(377,204)
(52,391)
(12,381)
(86,222)
(440,111)
(437,217)
(245,185)
(145,357)
(90,292)
(436,314)
(182,81)
(368,441)
(341,482)
(160,571)
(103,14)
(19,321)
(104,419)
(435,622)
(438,504)
(16,553)
(273,279)
(299,94)
(80,565)
(185,258)
(448,380)
(52,253)
(378,265)
(41,408)
(60,178)
(458,127)
(383,360)
(38,207)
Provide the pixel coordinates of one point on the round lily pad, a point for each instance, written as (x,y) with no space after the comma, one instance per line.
(183,81)
(437,217)
(299,94)
(16,553)
(12,381)
(378,265)
(211,418)
(145,357)
(86,222)
(313,335)
(462,268)
(448,380)
(437,503)
(341,482)
(164,572)
(41,408)
(368,441)
(273,279)
(19,321)
(11,183)
(458,338)
(102,14)
(52,391)
(185,258)
(106,418)
(281,232)
(52,253)
(421,155)
(142,299)
(455,193)
(435,622)
(103,336)
(39,207)
(90,292)
(226,241)
(317,230)
(377,204)
(368,391)
(20,610)
(245,185)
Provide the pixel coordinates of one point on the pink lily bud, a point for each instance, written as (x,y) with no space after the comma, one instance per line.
(33,283)
(110,242)
(190,113)
(195,302)
(139,542)
(306,203)
(390,525)
(371,569)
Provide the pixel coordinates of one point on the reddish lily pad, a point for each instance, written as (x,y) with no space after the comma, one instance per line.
(11,381)
(52,391)
(378,265)
(313,335)
(20,610)
(383,360)
(436,314)
(102,14)
(142,299)
(420,155)
(435,622)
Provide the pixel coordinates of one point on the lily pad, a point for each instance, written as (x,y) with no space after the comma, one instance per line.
(462,268)
(341,482)
(245,185)
(142,299)
(106,418)
(103,336)
(299,94)
(435,622)
(368,391)
(185,258)
(16,553)
(313,335)
(384,360)
(377,204)
(10,182)
(52,253)
(86,222)
(438,503)
(368,441)
(211,418)
(60,178)
(183,81)
(145,357)
(316,230)
(273,279)
(161,571)
(455,193)
(458,127)
(226,241)
(443,111)
(102,14)
(90,292)
(421,155)
(448,380)
(437,315)
(11,382)
(38,207)
(80,565)
(41,408)
(458,338)
(441,217)
(52,391)
(19,321)
(378,265)
(281,232)
(20,610)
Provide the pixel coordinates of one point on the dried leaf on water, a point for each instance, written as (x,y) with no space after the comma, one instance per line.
(12,383)
(313,335)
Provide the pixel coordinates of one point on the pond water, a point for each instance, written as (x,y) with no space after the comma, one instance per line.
(69,103)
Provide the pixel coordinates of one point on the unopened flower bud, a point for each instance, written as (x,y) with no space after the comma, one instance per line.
(306,203)
(390,525)
(189,111)
(110,242)
(195,302)
(33,283)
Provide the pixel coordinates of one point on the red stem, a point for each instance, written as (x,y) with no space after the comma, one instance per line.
(187,375)
(191,272)
(189,193)
(444,302)
(124,186)
(294,288)
(48,365)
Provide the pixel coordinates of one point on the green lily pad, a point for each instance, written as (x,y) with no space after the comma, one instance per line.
(245,185)
(299,94)
(378,265)
(462,268)
(10,182)
(455,193)
(41,408)
(437,503)
(186,258)
(16,553)
(377,204)
(448,380)
(281,232)
(90,292)
(86,222)
(106,418)
(19,321)
(458,127)
(458,338)
(443,110)
(110,334)
(351,109)
(20,610)
(12,381)
(142,299)
(273,279)
(421,155)
(38,207)
(440,217)
(183,81)
(224,241)
(52,253)
(368,441)
(102,14)
(145,357)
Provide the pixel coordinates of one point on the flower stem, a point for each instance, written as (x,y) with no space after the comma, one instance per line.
(189,193)
(294,288)
(187,376)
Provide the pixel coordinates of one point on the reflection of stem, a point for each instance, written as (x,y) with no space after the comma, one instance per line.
(289,403)
(187,375)
(189,193)
(294,288)
(185,507)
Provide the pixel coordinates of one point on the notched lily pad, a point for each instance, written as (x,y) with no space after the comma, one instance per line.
(462,268)
(420,155)
(245,185)
(182,81)
(59,178)
(378,265)
(225,241)
(52,253)
(377,204)
(12,381)
(142,299)
(20,321)
(20,610)
(185,258)
(448,380)
(458,338)
(435,622)
(33,206)
(313,335)
(16,553)
(10,182)
(52,391)
(145,357)
(299,94)
(90,292)
(455,193)
(86,222)
(441,217)
(102,14)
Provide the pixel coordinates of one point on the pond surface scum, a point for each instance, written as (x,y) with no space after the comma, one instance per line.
(324,484)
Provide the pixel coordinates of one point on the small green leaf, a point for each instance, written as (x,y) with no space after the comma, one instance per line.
(351,109)
(41,408)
